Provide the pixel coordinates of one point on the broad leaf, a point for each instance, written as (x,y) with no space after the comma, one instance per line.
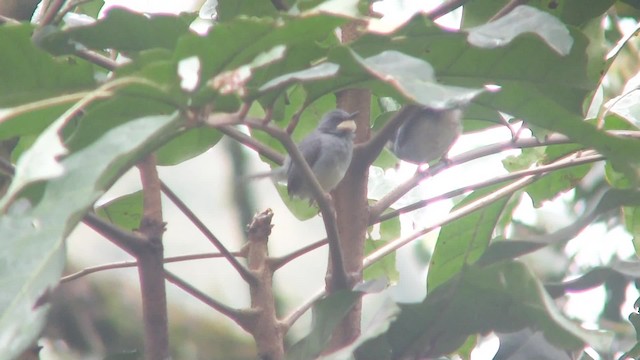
(34,250)
(463,241)
(28,73)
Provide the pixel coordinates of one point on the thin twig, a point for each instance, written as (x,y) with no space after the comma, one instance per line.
(339,276)
(507,9)
(128,264)
(68,7)
(97,59)
(365,154)
(454,215)
(252,143)
(128,241)
(244,273)
(240,317)
(279,262)
(50,13)
(321,198)
(297,313)
(540,170)
(394,195)
(470,207)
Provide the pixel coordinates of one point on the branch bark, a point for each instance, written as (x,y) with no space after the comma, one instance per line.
(267,330)
(151,266)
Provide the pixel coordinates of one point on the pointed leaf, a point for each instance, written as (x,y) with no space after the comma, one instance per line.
(34,251)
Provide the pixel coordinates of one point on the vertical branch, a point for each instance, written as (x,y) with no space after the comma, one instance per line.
(267,330)
(350,200)
(150,265)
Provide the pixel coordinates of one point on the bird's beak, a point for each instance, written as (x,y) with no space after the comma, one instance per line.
(347,125)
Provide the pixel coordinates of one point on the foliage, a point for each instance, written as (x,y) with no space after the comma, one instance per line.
(73,122)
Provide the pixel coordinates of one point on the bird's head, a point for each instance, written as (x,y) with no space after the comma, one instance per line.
(338,121)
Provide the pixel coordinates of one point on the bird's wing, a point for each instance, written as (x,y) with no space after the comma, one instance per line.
(310,147)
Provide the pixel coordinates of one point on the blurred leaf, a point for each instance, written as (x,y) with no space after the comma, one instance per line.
(187,145)
(121,30)
(90,8)
(316,72)
(378,325)
(229,10)
(125,211)
(503,297)
(301,209)
(524,160)
(627,106)
(327,314)
(536,84)
(415,79)
(571,12)
(100,117)
(463,241)
(28,73)
(600,204)
(229,45)
(632,224)
(522,19)
(556,182)
(20,121)
(527,344)
(385,267)
(36,232)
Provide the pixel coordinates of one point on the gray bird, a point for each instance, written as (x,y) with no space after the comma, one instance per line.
(327,150)
(427,134)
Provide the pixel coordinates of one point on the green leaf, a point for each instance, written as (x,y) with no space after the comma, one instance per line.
(570,12)
(20,121)
(229,10)
(522,19)
(230,45)
(187,145)
(320,71)
(415,79)
(363,345)
(385,267)
(503,298)
(556,182)
(28,73)
(36,232)
(327,314)
(122,30)
(301,209)
(463,241)
(125,211)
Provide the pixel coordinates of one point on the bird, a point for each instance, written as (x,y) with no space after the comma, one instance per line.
(328,150)
(427,134)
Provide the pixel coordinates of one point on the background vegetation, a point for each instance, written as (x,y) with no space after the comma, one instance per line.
(84,101)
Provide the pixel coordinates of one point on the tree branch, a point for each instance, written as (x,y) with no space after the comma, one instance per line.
(266,329)
(540,170)
(277,263)
(252,143)
(323,201)
(394,195)
(151,266)
(241,317)
(244,273)
(365,154)
(128,241)
(507,9)
(129,264)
